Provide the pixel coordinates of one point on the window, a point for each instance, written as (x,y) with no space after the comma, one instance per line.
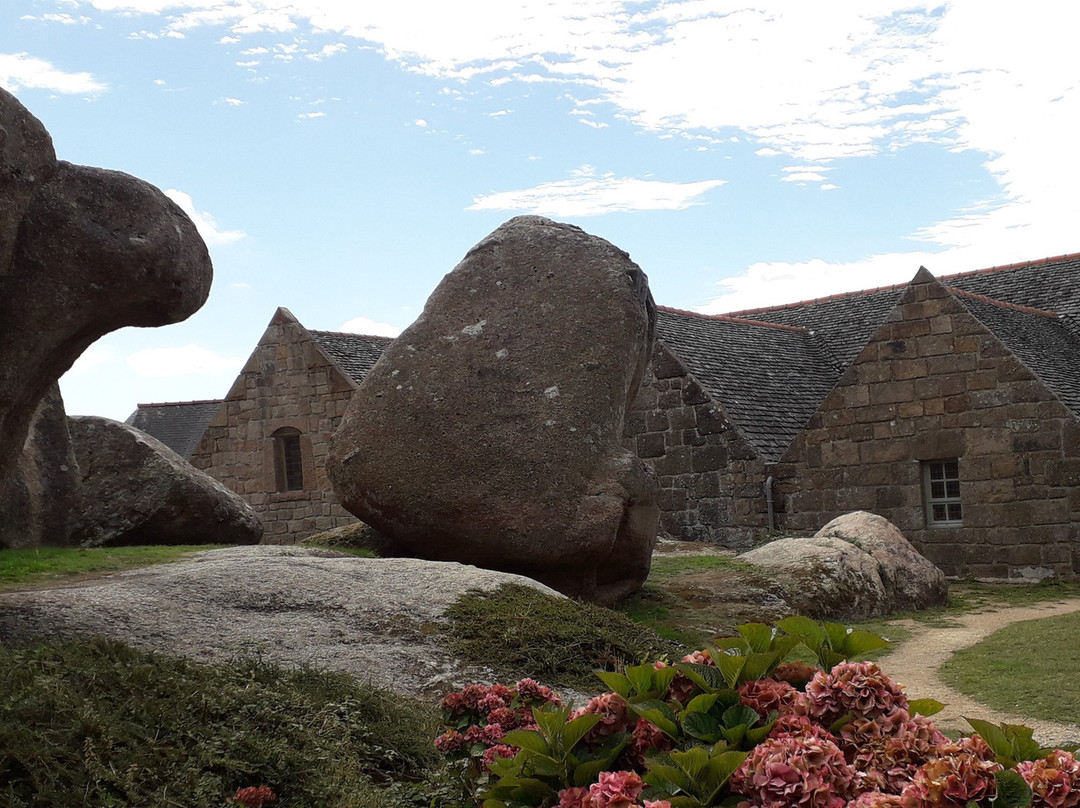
(288,460)
(941,488)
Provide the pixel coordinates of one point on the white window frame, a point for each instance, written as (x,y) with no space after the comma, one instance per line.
(941,493)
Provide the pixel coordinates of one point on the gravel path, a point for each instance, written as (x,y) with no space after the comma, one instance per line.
(915,663)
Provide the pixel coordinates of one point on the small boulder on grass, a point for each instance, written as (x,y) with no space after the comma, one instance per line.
(857,566)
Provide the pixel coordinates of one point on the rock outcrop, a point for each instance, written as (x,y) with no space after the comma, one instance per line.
(83,251)
(489,431)
(859,565)
(136,490)
(371,618)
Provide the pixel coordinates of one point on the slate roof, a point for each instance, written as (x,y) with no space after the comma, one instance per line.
(770,378)
(179,425)
(355,354)
(1048,344)
(845,322)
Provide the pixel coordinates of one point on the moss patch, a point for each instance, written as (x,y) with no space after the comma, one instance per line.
(519,631)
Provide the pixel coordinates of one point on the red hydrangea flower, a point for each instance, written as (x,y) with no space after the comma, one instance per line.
(450,741)
(254,796)
(646,738)
(1054,780)
(795,673)
(794,772)
(530,689)
(876,799)
(498,751)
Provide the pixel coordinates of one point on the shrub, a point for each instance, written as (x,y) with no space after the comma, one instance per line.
(736,724)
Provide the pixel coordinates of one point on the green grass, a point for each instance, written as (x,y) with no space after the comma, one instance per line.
(1027,668)
(520,631)
(95,723)
(48,564)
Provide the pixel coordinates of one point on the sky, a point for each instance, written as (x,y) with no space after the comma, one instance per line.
(340,156)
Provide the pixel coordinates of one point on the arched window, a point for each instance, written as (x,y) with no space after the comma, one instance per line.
(288,460)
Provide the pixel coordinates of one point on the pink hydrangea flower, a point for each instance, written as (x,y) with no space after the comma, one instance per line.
(951,781)
(254,796)
(614,716)
(795,673)
(682,689)
(573,797)
(766,695)
(1054,780)
(615,790)
(888,749)
(530,690)
(645,738)
(876,799)
(490,734)
(859,688)
(794,772)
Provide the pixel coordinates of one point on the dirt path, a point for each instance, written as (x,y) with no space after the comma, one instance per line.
(915,663)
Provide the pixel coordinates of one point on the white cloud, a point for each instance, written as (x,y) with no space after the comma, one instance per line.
(365,325)
(420,122)
(19,70)
(233,102)
(587,194)
(207,226)
(188,360)
(328,51)
(310,115)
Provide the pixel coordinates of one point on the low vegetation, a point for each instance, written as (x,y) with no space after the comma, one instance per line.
(517,629)
(1027,668)
(95,723)
(44,565)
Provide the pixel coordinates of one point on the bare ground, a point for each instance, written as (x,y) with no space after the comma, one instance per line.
(915,661)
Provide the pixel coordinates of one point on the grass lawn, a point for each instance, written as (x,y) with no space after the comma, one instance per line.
(19,568)
(1027,668)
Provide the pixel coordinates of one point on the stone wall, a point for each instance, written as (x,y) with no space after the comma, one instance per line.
(287,382)
(710,477)
(934,384)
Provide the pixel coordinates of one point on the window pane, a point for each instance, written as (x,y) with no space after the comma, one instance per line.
(954,512)
(952,488)
(937,471)
(940,513)
(937,490)
(952,469)
(294,465)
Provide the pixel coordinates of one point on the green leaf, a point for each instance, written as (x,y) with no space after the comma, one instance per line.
(659,714)
(494,804)
(726,644)
(532,791)
(740,714)
(1024,746)
(600,760)
(722,764)
(1012,791)
(995,738)
(707,677)
(757,635)
(701,703)
(550,719)
(730,667)
(759,665)
(925,707)
(734,735)
(804,627)
(574,731)
(641,677)
(527,739)
(858,643)
(668,778)
(759,734)
(835,633)
(616,681)
(702,726)
(785,645)
(692,761)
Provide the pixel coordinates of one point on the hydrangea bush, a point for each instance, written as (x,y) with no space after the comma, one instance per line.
(737,725)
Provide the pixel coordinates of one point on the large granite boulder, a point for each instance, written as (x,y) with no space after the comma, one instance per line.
(909,578)
(377,619)
(874,572)
(489,431)
(38,501)
(136,490)
(83,251)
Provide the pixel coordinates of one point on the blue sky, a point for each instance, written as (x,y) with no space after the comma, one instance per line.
(340,157)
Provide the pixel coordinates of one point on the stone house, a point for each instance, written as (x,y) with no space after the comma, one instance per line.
(267,440)
(950,406)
